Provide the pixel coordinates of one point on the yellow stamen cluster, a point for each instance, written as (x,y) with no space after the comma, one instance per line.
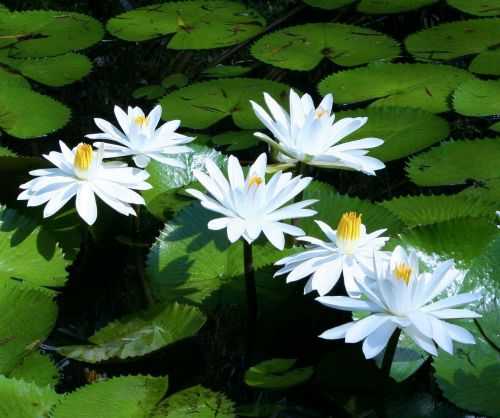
(349,226)
(403,272)
(255,180)
(141,120)
(83,159)
(320,112)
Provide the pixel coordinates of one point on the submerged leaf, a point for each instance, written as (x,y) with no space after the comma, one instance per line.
(420,86)
(139,334)
(277,374)
(303,47)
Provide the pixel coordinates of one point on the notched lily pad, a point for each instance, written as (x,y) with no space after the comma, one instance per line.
(303,47)
(277,374)
(477,7)
(195,24)
(477,98)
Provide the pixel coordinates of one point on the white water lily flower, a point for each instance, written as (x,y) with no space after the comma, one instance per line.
(141,139)
(349,251)
(309,135)
(402,298)
(81,172)
(251,206)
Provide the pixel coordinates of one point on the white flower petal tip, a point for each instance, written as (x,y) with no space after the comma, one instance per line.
(140,138)
(397,296)
(310,134)
(347,250)
(251,205)
(80,172)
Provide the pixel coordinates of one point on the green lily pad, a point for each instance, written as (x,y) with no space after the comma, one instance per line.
(139,334)
(28,315)
(196,402)
(52,71)
(422,210)
(328,4)
(151,92)
(201,105)
(459,162)
(405,363)
(20,399)
(332,206)
(277,374)
(10,79)
(237,140)
(467,377)
(420,86)
(27,252)
(495,127)
(477,7)
(220,71)
(37,368)
(5,152)
(118,397)
(403,130)
(488,62)
(392,6)
(27,114)
(189,262)
(175,80)
(195,24)
(458,39)
(303,47)
(477,98)
(422,405)
(47,33)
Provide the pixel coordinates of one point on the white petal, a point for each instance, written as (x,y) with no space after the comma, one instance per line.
(455,314)
(459,334)
(274,234)
(421,340)
(235,229)
(377,340)
(337,332)
(345,303)
(141,160)
(452,301)
(59,199)
(86,205)
(219,223)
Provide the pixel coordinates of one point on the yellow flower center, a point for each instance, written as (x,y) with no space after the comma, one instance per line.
(320,112)
(254,180)
(83,160)
(141,120)
(403,272)
(348,232)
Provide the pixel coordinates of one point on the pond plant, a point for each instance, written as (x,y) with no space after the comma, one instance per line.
(234,180)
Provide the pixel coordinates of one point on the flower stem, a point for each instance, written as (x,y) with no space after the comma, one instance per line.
(390,350)
(251,292)
(139,261)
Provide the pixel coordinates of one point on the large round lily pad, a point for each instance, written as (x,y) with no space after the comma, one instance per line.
(477,98)
(421,86)
(392,6)
(303,47)
(201,105)
(403,130)
(459,39)
(195,24)
(477,7)
(47,33)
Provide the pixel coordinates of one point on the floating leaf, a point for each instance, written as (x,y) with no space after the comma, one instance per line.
(195,24)
(151,92)
(189,262)
(37,368)
(458,39)
(237,140)
(47,33)
(139,334)
(19,399)
(403,130)
(27,114)
(495,127)
(27,252)
(421,210)
(332,206)
(328,4)
(277,374)
(225,71)
(10,79)
(201,105)
(468,376)
(196,402)
(52,71)
(459,162)
(422,405)
(488,62)
(477,98)
(5,152)
(392,6)
(477,7)
(118,397)
(406,362)
(421,86)
(175,80)
(303,47)
(28,315)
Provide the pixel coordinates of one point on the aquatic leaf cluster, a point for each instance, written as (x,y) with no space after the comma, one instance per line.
(145,316)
